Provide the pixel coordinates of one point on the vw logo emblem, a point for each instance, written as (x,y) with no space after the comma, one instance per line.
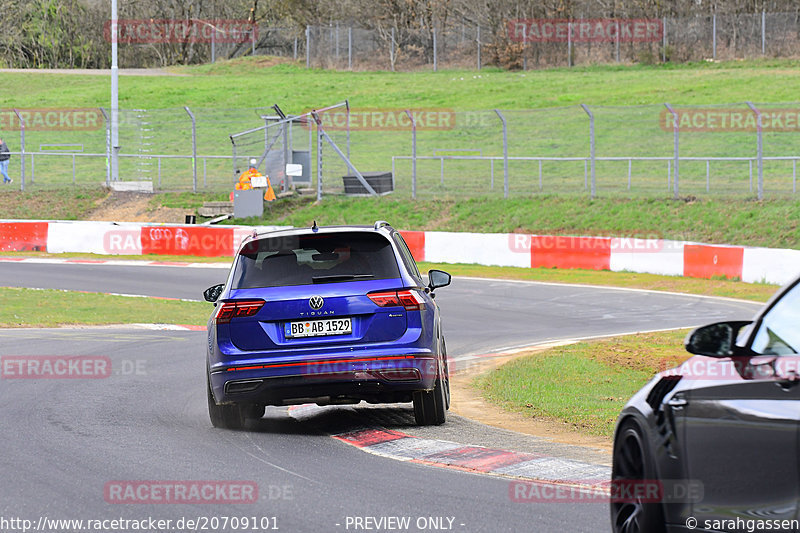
(316,302)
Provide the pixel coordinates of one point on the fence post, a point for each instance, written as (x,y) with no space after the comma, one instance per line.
(349,51)
(664,40)
(194,148)
(233,160)
(591,148)
(214,45)
(714,36)
(479,46)
(763,32)
(413,154)
(253,40)
(308,46)
(505,152)
(347,117)
(21,149)
(435,57)
(319,163)
(294,55)
(392,51)
(108,147)
(760,153)
(569,44)
(675,129)
(616,39)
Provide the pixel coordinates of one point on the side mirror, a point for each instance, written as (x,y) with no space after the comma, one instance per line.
(211,294)
(438,278)
(715,340)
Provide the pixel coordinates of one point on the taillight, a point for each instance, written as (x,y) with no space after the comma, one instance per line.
(408,299)
(239,309)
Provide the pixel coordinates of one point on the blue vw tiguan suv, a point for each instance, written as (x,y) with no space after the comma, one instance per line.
(325,315)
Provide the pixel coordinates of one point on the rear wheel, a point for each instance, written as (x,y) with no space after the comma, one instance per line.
(430,407)
(633,462)
(224,416)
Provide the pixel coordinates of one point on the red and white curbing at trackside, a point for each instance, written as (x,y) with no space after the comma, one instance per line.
(654,256)
(479,459)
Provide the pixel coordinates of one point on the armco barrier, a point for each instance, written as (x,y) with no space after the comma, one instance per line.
(703,261)
(591,253)
(416,243)
(201,241)
(770,265)
(23,235)
(479,248)
(94,238)
(654,256)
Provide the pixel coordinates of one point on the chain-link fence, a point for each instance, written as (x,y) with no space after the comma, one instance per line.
(585,150)
(520,43)
(470,45)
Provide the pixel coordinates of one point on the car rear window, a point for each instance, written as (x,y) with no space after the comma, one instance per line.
(314,258)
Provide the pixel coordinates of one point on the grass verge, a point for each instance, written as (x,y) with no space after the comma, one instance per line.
(67,203)
(50,308)
(583,385)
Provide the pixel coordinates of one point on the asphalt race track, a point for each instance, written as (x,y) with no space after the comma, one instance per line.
(66,441)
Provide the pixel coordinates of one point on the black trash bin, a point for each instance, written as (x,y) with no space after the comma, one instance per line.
(381,182)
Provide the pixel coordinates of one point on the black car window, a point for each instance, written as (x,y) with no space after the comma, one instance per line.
(314,258)
(779,331)
(408,258)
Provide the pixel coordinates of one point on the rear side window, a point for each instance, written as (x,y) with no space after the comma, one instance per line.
(314,258)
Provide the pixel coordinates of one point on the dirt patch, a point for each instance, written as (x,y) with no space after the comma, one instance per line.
(134,207)
(467,401)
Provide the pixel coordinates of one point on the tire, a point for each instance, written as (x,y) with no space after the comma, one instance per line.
(446,377)
(633,461)
(224,416)
(430,407)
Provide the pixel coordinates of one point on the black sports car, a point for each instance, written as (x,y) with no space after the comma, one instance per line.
(718,435)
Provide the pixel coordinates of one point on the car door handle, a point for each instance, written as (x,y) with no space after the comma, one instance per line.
(677,403)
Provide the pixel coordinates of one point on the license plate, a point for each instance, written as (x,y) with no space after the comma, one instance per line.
(319,328)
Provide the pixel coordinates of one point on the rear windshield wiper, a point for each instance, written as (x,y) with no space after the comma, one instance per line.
(340,277)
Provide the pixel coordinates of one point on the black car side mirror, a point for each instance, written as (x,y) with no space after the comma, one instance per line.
(715,340)
(211,294)
(438,278)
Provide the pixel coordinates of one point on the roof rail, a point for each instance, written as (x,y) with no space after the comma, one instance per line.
(381,223)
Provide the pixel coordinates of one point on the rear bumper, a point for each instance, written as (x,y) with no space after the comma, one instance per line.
(346,379)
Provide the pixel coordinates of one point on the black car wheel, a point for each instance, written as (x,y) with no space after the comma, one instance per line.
(224,416)
(633,462)
(430,407)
